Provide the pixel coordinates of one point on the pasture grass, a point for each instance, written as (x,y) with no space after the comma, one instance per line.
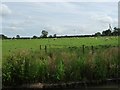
(34,44)
(60,65)
(63,60)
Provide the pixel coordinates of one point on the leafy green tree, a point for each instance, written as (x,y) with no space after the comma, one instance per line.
(34,37)
(50,36)
(17,36)
(116,31)
(98,34)
(107,33)
(3,36)
(44,33)
(55,35)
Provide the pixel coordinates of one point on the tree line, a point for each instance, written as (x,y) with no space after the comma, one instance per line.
(108,32)
(44,34)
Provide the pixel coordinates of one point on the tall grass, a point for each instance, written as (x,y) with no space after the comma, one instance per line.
(60,65)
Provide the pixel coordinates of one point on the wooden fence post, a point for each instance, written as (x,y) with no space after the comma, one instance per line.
(83,48)
(40,47)
(45,48)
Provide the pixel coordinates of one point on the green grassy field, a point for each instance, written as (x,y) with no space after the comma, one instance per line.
(56,43)
(65,60)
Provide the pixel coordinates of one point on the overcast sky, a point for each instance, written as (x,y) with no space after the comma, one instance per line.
(61,18)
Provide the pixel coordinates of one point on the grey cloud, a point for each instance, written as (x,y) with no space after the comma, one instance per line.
(103,19)
(5,10)
(68,29)
(61,0)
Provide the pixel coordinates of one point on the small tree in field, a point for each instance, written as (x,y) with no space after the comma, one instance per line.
(17,36)
(55,35)
(34,37)
(44,33)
